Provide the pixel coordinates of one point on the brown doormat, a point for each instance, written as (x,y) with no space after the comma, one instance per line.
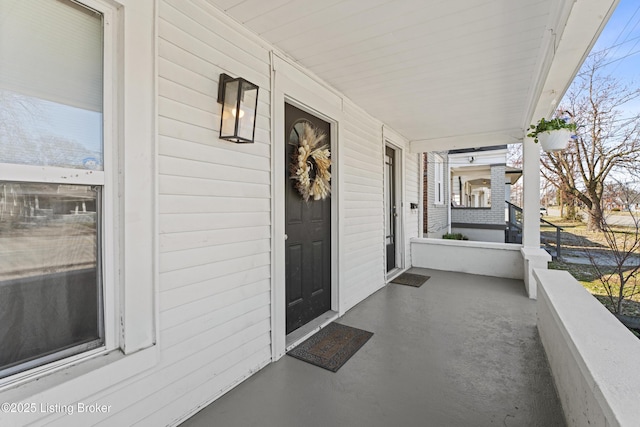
(410,279)
(332,346)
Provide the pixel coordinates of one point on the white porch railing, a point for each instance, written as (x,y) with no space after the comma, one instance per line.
(483,258)
(593,357)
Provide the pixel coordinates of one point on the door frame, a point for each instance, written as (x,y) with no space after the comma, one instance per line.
(311,308)
(399,200)
(390,208)
(291,85)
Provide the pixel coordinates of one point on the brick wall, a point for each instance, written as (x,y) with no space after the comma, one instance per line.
(493,215)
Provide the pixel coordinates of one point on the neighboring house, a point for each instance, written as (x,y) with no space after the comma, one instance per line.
(480,186)
(465,192)
(156,266)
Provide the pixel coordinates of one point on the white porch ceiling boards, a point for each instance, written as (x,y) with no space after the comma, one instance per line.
(458,73)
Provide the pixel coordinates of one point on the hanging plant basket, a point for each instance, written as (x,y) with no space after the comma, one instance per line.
(555,140)
(554,134)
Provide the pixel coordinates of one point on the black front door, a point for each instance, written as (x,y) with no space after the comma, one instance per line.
(390,207)
(308,229)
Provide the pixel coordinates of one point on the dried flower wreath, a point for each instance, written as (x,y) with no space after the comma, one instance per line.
(311,164)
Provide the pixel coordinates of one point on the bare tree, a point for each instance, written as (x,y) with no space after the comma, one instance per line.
(618,267)
(619,195)
(606,141)
(24,141)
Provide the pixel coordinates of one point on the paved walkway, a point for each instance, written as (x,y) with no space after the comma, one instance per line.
(461,350)
(602,257)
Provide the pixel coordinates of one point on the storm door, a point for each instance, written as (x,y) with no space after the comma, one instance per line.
(391,213)
(307,228)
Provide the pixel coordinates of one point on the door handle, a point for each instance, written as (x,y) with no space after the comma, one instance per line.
(395,215)
(286,237)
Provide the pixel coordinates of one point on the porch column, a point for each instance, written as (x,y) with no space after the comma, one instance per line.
(534,256)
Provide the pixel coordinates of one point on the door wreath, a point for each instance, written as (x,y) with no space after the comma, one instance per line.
(311,165)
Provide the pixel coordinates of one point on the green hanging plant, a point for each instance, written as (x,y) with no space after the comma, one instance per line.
(550,125)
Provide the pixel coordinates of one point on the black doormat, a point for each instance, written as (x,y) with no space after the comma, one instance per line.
(332,346)
(410,279)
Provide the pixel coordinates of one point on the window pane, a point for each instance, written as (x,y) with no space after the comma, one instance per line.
(51,84)
(229,109)
(248,112)
(50,292)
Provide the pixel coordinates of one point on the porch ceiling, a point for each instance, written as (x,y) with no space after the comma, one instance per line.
(443,74)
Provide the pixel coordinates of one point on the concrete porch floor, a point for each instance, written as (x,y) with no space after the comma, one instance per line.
(461,350)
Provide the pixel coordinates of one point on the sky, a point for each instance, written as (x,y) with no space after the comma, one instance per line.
(46,125)
(621,39)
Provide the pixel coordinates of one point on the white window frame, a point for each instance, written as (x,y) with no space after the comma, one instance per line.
(104,178)
(129,223)
(438,179)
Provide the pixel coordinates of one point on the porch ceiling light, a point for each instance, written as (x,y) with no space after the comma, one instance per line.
(239,99)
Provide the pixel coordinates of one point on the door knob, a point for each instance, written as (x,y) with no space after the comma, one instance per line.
(286,237)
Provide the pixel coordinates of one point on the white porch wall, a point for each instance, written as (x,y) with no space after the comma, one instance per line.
(592,355)
(363,257)
(466,256)
(215,229)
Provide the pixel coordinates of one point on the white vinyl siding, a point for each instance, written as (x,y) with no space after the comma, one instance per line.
(412,195)
(363,261)
(214,213)
(214,228)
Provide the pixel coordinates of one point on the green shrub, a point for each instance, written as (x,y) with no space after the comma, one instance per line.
(455,236)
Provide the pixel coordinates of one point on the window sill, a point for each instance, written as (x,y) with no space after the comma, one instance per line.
(76,382)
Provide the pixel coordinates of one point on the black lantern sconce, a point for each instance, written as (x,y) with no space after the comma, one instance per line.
(239,99)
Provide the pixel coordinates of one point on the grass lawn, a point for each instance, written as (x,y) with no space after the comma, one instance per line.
(587,276)
(576,240)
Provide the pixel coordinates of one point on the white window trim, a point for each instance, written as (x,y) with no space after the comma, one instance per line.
(130,216)
(108,225)
(438,180)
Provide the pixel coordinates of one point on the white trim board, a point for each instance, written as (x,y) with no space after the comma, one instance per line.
(294,87)
(401,145)
(399,201)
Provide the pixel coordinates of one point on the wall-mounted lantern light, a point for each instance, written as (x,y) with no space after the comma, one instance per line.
(239,99)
